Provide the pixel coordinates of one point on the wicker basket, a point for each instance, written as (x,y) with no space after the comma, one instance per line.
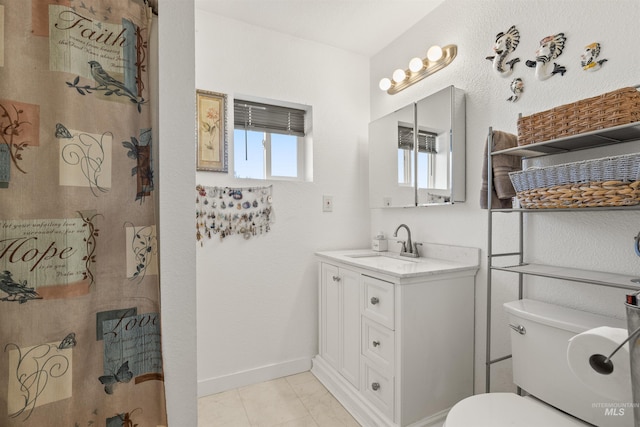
(610,181)
(611,109)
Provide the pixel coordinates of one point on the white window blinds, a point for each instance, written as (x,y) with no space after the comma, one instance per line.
(426,140)
(261,117)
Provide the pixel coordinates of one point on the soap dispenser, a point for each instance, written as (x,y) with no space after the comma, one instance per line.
(379,242)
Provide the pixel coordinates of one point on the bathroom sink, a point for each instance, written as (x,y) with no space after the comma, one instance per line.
(434,259)
(381,259)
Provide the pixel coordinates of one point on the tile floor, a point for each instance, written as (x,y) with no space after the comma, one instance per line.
(295,401)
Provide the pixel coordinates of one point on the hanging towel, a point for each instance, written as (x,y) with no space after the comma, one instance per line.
(502,190)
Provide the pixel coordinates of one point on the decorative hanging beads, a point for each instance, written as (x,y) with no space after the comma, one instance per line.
(252,216)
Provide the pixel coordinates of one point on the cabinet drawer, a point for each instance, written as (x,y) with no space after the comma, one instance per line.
(378,388)
(378,344)
(378,301)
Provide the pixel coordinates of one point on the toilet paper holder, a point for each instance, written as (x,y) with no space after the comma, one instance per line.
(602,364)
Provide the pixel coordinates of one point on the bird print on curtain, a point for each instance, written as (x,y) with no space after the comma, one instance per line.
(80,336)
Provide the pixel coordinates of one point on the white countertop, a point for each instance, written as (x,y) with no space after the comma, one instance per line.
(450,259)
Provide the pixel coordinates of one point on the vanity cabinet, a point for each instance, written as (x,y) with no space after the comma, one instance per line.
(409,335)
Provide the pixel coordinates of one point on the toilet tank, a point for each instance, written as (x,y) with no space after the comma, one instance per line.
(540,364)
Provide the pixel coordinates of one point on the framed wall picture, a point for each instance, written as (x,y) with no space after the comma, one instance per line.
(212,131)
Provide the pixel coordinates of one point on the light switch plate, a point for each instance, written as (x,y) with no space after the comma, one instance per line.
(327,203)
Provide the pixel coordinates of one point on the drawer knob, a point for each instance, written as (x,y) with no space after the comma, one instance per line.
(375,386)
(374,300)
(376,343)
(336,278)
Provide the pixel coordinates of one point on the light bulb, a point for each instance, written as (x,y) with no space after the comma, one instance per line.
(384,84)
(415,65)
(434,53)
(399,75)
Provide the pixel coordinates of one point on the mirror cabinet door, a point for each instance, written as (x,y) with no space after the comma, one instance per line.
(458,146)
(391,170)
(434,148)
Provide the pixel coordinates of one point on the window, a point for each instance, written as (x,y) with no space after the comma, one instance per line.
(270,141)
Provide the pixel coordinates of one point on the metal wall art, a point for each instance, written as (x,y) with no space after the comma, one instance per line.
(517,87)
(505,45)
(225,211)
(589,58)
(550,48)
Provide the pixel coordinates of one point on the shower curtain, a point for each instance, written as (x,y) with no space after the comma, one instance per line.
(80,341)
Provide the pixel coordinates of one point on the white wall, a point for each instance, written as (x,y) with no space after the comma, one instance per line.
(241,327)
(175,83)
(257,299)
(586,240)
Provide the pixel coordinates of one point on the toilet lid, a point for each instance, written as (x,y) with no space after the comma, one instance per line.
(506,409)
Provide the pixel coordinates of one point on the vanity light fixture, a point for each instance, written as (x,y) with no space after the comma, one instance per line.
(399,75)
(437,58)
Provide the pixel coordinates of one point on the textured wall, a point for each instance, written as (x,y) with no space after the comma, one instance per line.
(594,241)
(257,299)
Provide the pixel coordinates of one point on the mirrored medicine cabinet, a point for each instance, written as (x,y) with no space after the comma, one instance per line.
(417,153)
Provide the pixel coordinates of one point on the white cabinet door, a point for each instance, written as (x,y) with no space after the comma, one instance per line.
(340,317)
(330,315)
(350,340)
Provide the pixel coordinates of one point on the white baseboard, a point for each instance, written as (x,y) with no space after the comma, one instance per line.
(252,376)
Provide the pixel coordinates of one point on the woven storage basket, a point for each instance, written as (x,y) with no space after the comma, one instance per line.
(611,109)
(610,181)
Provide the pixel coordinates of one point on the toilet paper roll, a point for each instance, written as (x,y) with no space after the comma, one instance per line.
(602,340)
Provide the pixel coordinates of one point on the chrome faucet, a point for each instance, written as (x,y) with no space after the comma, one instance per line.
(408,248)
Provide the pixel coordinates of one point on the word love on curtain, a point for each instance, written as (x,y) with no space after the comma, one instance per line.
(80,341)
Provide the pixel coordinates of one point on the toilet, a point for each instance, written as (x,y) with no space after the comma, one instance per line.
(552,395)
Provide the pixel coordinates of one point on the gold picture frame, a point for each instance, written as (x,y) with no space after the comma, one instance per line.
(212,131)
